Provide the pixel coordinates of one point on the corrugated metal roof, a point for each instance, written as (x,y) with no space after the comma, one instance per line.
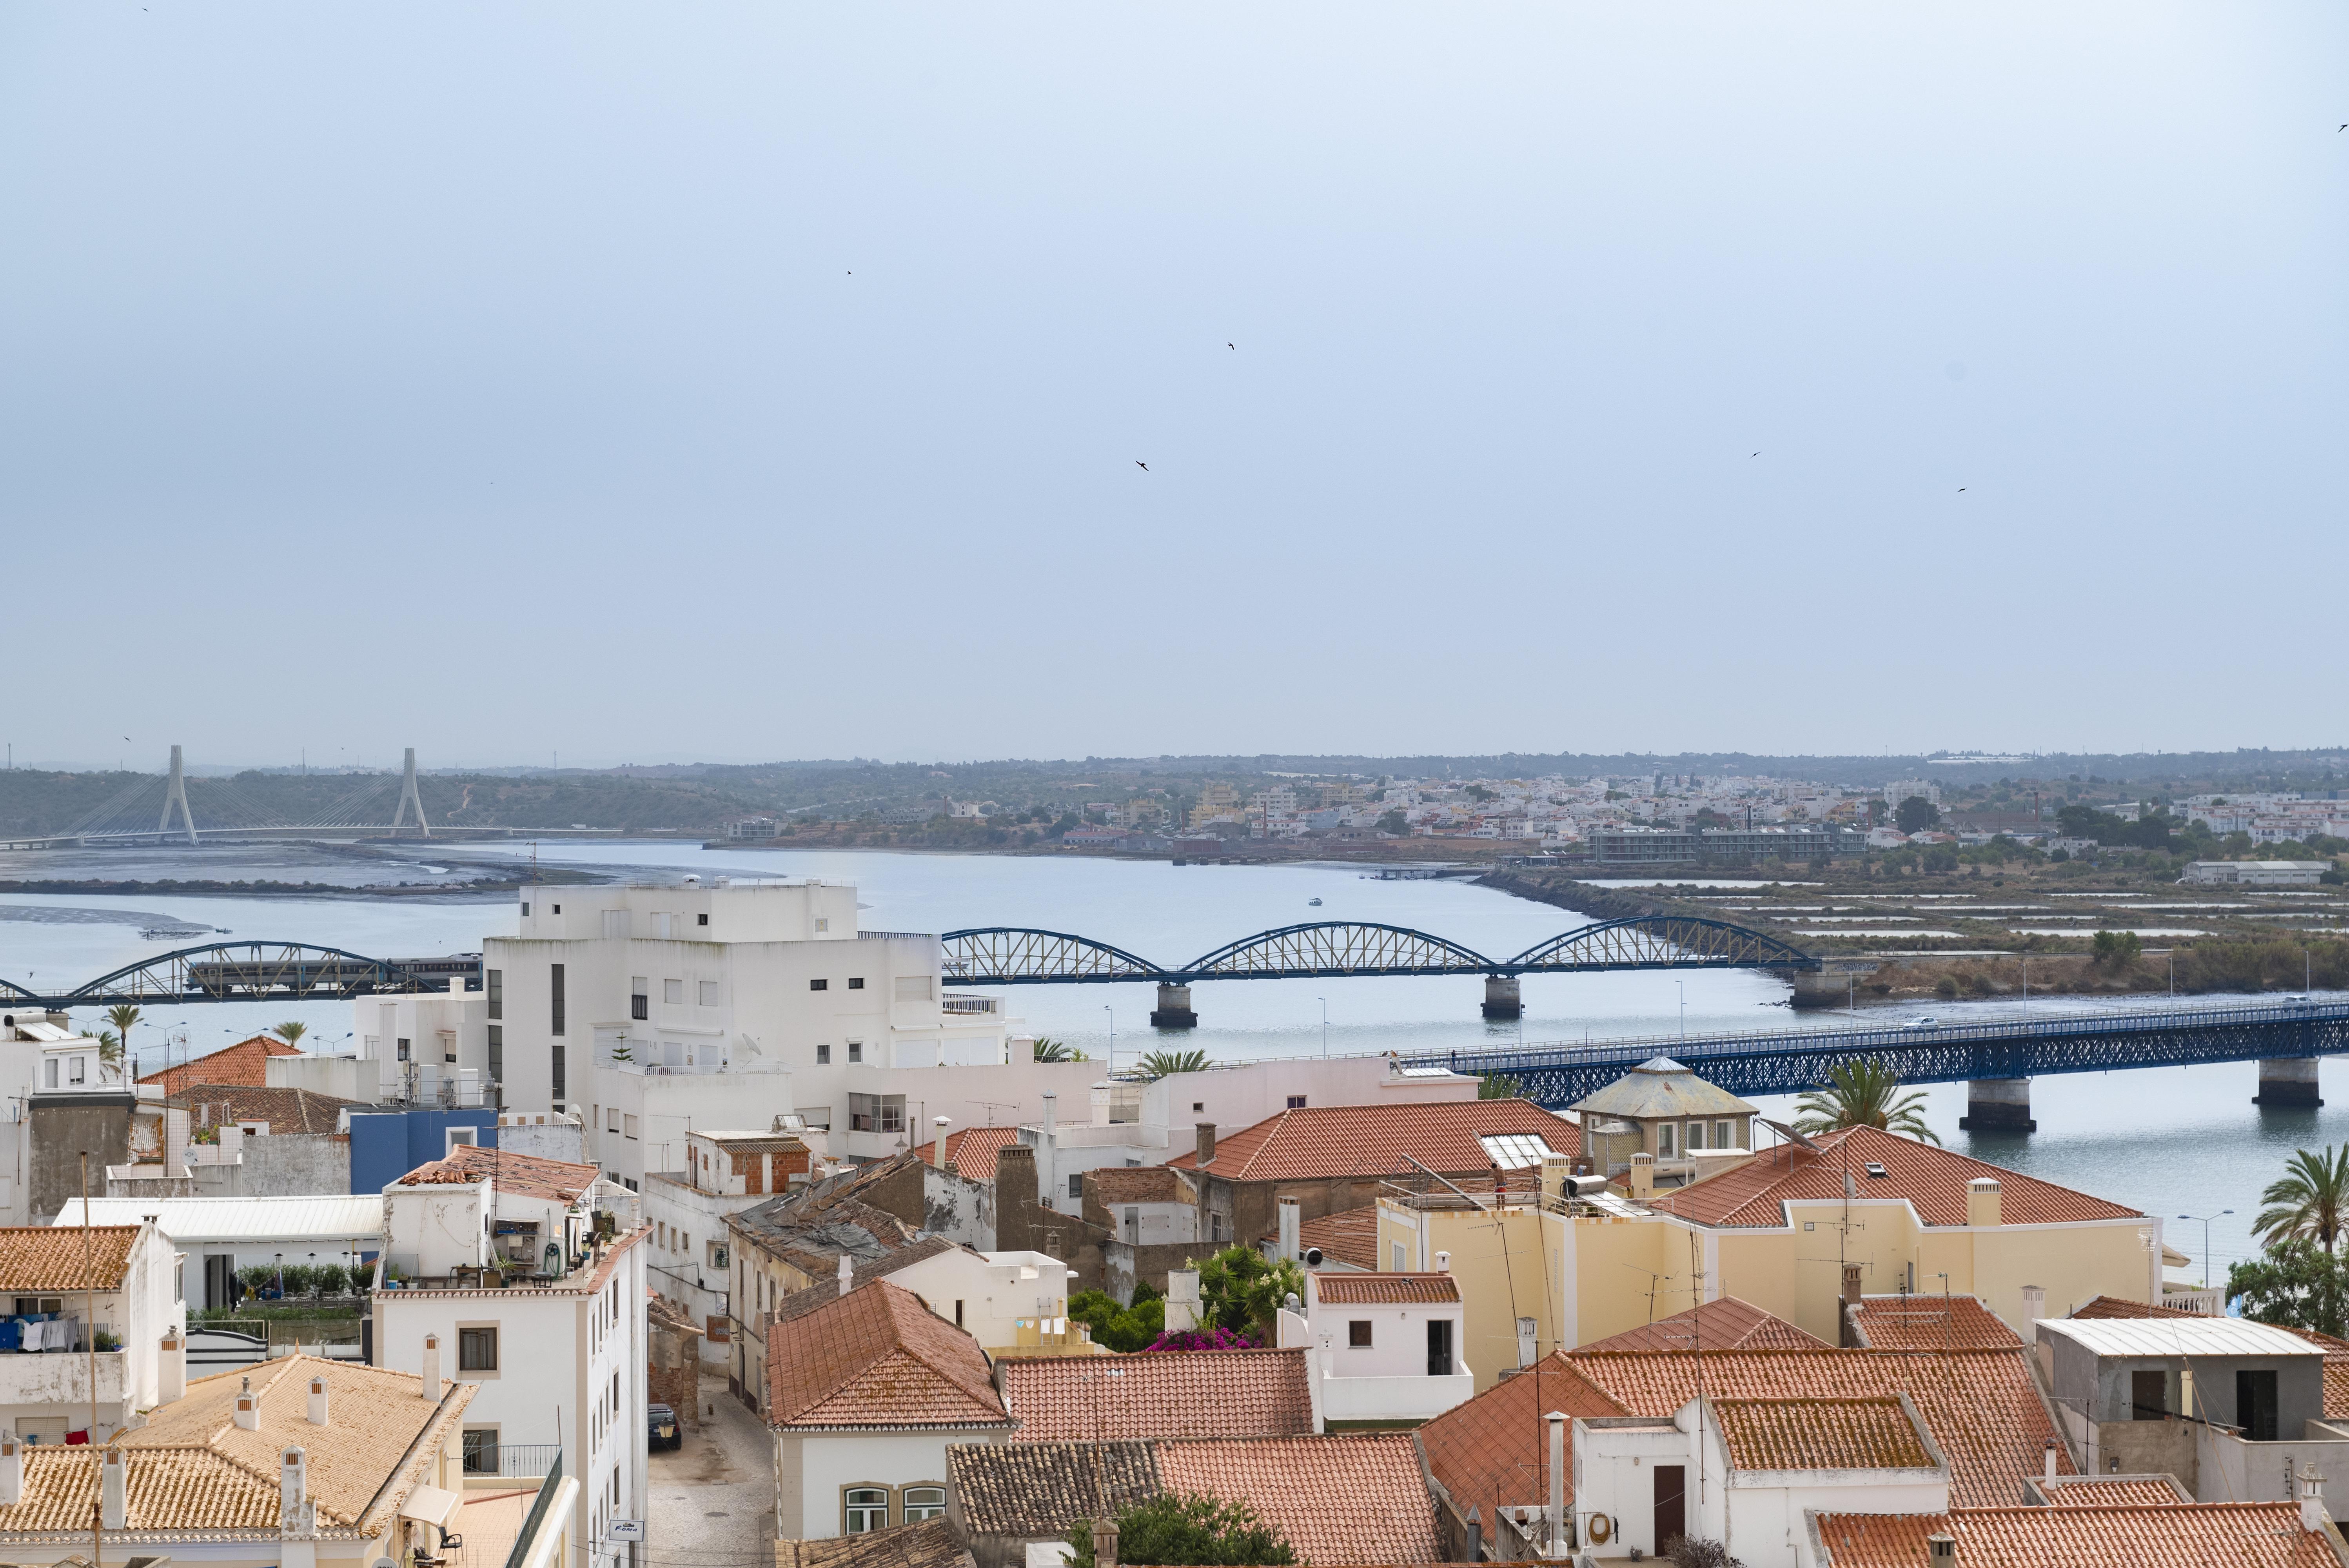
(1660,1087)
(321,1217)
(2163,1336)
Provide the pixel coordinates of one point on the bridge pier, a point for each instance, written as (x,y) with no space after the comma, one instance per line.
(1174,1009)
(1833,985)
(1998,1105)
(2287,1080)
(1503,996)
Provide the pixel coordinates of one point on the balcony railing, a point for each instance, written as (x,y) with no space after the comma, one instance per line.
(537,1517)
(524,1459)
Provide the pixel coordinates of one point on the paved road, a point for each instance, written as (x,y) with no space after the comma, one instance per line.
(713,1500)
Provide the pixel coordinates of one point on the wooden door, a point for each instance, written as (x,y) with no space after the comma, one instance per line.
(1671,1504)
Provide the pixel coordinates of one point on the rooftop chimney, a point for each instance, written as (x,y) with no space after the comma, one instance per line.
(1105,1542)
(1941,1551)
(1981,1201)
(317,1401)
(2034,1303)
(248,1410)
(1205,1133)
(297,1516)
(2047,1460)
(12,1472)
(113,1491)
(1642,1178)
(845,1276)
(2312,1498)
(432,1368)
(1291,1228)
(1847,1334)
(174,1368)
(1182,1299)
(1443,1262)
(1557,1419)
(942,1123)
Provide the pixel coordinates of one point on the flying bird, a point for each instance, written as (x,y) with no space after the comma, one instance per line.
(1961,489)
(1232,346)
(1143,466)
(1756,454)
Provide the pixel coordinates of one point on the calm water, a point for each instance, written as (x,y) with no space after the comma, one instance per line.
(2170,1141)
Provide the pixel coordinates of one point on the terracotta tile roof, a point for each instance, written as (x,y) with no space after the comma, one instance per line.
(1873,1433)
(1318,1142)
(1039,1490)
(1349,1236)
(971,1152)
(1361,1498)
(877,1357)
(1490,1452)
(526,1175)
(1981,1405)
(798,1304)
(285,1109)
(49,1257)
(1723,1324)
(929,1544)
(167,1489)
(2107,1490)
(1932,1179)
(375,1417)
(2188,1535)
(1383,1289)
(1930,1323)
(2120,1306)
(1140,1185)
(1171,1394)
(242,1063)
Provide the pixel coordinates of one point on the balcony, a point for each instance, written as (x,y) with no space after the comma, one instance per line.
(1420,1399)
(62,1378)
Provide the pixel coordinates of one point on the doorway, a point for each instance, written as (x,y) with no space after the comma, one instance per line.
(1439,1347)
(220,1281)
(2255,1405)
(1671,1504)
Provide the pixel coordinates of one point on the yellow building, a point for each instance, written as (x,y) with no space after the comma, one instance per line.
(1543,1272)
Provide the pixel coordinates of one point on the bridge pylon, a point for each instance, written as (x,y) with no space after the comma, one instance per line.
(407,797)
(1504,996)
(1174,1009)
(175,793)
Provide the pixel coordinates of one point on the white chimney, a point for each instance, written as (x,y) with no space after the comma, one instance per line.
(2312,1498)
(297,1517)
(1182,1299)
(432,1368)
(847,1274)
(1557,1419)
(317,1401)
(2047,1460)
(173,1368)
(1443,1262)
(248,1408)
(1291,1229)
(942,1123)
(12,1472)
(2034,1303)
(113,1490)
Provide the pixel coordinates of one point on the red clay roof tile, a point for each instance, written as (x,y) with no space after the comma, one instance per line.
(242,1063)
(877,1357)
(1869,1433)
(1931,1322)
(1166,1394)
(1725,1324)
(2185,1535)
(1383,1289)
(971,1152)
(1318,1142)
(1354,1499)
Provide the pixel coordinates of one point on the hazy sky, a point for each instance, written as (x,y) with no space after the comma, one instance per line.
(700,381)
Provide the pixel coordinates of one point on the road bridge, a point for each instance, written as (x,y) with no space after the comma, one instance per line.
(1996,1057)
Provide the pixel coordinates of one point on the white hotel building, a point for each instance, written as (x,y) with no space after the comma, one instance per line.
(652,1011)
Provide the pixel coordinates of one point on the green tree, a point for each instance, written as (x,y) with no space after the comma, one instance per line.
(1124,1329)
(1498,1086)
(1157,1065)
(1051,1050)
(109,1048)
(122,1015)
(1176,1527)
(291,1031)
(1864,1093)
(2295,1284)
(2308,1201)
(2117,949)
(1241,1289)
(1395,823)
(1915,814)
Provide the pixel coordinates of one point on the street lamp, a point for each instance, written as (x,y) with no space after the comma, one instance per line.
(1112,1038)
(1682,989)
(2206,1220)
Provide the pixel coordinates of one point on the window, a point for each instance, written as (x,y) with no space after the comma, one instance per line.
(495,982)
(403,1047)
(557,908)
(640,999)
(616,922)
(1696,1136)
(1724,1135)
(448,1044)
(819,985)
(1077,1186)
(710,993)
(496,1053)
(822,924)
(1297,1102)
(629,1124)
(857,982)
(958,1311)
(2149,1395)
(1667,1140)
(719,1254)
(477,1350)
(612,1118)
(49,1073)
(1215,1227)
(875,1112)
(1199,1105)
(480,1451)
(1399,1267)
(673,992)
(554,995)
(924,1502)
(856,1050)
(556,1074)
(453,1136)
(863,1509)
(823,1055)
(702,919)
(1515,1151)
(525,909)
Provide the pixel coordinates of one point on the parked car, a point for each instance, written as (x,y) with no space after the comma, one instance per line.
(661,1429)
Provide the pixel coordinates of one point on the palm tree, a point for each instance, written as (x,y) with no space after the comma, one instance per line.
(1158,1064)
(1051,1050)
(109,1051)
(122,1015)
(1864,1093)
(291,1031)
(2312,1199)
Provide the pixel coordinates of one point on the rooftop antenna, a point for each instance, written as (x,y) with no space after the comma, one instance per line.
(408,796)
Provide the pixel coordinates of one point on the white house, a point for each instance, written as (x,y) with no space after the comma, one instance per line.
(1008,1302)
(1744,1472)
(46,1364)
(656,1010)
(217,1236)
(724,1173)
(1383,1348)
(495,1272)
(427,1048)
(37,1049)
(864,1394)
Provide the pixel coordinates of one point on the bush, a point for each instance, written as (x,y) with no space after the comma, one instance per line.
(1120,1328)
(330,1279)
(296,1278)
(1187,1528)
(2117,949)
(1946,987)
(1681,1552)
(257,1278)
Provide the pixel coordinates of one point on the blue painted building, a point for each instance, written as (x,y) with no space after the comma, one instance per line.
(388,1144)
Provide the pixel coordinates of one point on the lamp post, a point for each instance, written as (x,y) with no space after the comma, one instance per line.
(1681,986)
(2206,1220)
(1112,1038)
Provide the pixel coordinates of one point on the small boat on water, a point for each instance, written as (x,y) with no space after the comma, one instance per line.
(171,932)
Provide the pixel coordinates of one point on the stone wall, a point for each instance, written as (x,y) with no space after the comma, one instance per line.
(673,1365)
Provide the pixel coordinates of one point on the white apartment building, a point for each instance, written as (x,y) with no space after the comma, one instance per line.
(559,1351)
(655,1011)
(431,1049)
(723,1173)
(40,1053)
(46,1358)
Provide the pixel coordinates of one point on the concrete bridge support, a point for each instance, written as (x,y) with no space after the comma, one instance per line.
(1503,996)
(2288,1081)
(1998,1105)
(1836,983)
(1174,1009)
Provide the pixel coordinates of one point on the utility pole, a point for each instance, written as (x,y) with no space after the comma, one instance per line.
(89,1326)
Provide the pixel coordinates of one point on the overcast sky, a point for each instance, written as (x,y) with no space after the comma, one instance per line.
(738,383)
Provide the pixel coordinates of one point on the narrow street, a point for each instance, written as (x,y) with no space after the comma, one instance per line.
(713,1499)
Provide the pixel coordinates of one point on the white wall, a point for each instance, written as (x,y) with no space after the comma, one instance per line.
(811,1469)
(995,1290)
